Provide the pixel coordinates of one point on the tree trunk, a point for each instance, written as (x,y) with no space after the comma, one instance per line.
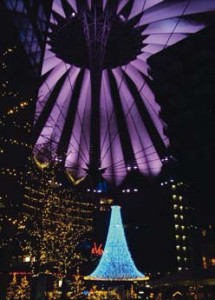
(38,287)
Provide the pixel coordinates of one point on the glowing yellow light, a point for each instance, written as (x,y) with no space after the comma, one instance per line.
(73,179)
(41,165)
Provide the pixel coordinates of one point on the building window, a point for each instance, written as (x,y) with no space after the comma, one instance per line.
(204,262)
(212,261)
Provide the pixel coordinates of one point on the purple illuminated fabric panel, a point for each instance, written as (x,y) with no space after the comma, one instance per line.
(163,23)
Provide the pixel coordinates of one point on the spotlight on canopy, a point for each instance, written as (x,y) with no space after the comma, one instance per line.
(95,105)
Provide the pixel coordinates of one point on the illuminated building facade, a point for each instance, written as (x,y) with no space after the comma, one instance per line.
(208,244)
(181,219)
(186,93)
(105,204)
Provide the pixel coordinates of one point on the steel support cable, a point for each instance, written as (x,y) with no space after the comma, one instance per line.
(124,71)
(164,46)
(119,87)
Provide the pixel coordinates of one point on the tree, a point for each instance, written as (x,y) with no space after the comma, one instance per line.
(18,290)
(54,221)
(97,294)
(11,291)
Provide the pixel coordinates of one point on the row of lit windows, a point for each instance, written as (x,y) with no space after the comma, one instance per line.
(179,258)
(178,247)
(179,217)
(187,227)
(179,226)
(171,181)
(178,197)
(130,190)
(180,207)
(180,268)
(183,237)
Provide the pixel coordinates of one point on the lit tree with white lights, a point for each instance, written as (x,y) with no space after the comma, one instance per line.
(54,222)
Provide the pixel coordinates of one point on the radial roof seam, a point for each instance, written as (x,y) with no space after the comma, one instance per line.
(142,11)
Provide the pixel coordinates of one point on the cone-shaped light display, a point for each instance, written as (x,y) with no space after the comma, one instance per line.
(116,262)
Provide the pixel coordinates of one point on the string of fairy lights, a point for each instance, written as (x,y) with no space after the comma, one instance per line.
(53,224)
(68,225)
(15,142)
(51,221)
(16,109)
(24,127)
(65,215)
(15,103)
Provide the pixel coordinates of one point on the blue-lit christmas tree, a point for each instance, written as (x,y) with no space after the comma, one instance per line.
(116,262)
